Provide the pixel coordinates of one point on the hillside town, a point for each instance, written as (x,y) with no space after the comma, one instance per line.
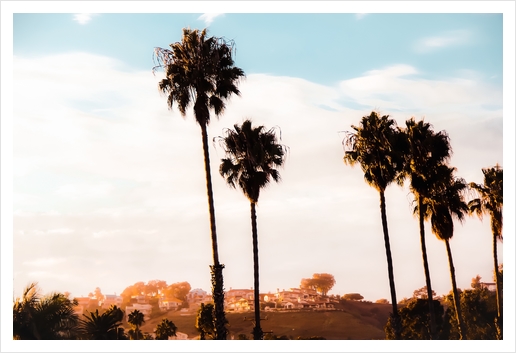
(235,300)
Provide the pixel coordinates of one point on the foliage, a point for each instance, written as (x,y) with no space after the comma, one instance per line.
(178,290)
(352,296)
(422,293)
(205,321)
(382,301)
(103,326)
(165,329)
(478,308)
(136,319)
(415,320)
(321,282)
(43,317)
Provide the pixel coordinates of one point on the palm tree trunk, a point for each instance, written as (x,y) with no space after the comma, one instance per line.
(433,331)
(456,298)
(396,321)
(499,318)
(216,269)
(257,331)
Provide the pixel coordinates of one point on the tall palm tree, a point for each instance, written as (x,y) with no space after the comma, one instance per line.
(490,201)
(49,317)
(103,326)
(374,145)
(253,155)
(200,71)
(445,202)
(136,319)
(425,150)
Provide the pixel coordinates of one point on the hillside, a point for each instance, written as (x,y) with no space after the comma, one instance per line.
(351,320)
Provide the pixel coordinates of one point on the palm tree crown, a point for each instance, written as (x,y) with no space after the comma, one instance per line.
(199,70)
(252,156)
(376,147)
(490,200)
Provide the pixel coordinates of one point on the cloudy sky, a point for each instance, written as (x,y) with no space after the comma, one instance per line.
(108,184)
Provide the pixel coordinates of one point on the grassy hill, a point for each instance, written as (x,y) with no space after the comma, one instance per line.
(352,320)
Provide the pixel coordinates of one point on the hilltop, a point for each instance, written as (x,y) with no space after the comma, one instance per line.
(350,320)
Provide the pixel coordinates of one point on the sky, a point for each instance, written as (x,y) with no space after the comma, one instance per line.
(105,185)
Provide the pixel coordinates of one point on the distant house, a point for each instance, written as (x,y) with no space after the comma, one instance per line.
(146,310)
(239,299)
(488,286)
(83,304)
(169,303)
(111,299)
(179,336)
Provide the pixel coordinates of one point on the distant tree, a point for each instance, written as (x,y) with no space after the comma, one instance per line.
(382,301)
(242,336)
(205,321)
(422,293)
(475,282)
(353,296)
(165,329)
(136,319)
(43,317)
(490,201)
(321,282)
(98,295)
(178,290)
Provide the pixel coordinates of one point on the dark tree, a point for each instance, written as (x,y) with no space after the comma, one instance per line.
(490,201)
(165,329)
(253,155)
(375,146)
(424,151)
(200,71)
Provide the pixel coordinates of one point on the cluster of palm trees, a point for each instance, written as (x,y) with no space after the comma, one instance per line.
(387,153)
(200,71)
(53,317)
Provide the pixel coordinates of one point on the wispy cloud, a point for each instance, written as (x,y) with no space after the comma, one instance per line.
(448,39)
(209,17)
(82,18)
(360,16)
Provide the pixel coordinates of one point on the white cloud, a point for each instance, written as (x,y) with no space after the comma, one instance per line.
(209,17)
(360,16)
(82,18)
(146,163)
(448,39)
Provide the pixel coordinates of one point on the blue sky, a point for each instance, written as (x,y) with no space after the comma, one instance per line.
(108,184)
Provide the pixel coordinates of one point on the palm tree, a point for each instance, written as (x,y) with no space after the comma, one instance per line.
(49,317)
(136,319)
(425,150)
(374,145)
(165,329)
(200,71)
(252,156)
(103,326)
(445,202)
(490,201)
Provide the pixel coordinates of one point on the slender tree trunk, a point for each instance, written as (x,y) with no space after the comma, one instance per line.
(456,297)
(396,321)
(216,269)
(257,331)
(433,330)
(499,318)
